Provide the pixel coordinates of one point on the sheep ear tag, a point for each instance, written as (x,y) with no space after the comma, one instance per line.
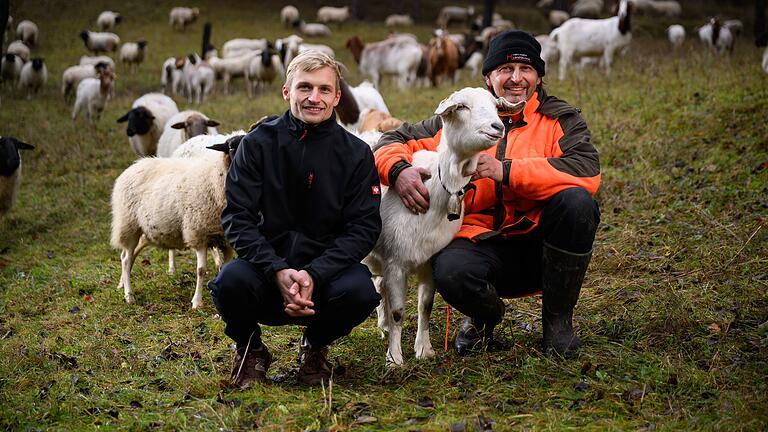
(508,108)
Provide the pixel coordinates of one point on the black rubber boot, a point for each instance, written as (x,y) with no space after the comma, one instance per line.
(562,275)
(472,336)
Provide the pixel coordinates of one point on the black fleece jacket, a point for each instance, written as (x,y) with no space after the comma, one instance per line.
(302,196)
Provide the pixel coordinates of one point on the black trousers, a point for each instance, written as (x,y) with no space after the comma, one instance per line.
(245,298)
(473,276)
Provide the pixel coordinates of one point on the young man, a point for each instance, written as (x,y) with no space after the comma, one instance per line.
(302,211)
(531,220)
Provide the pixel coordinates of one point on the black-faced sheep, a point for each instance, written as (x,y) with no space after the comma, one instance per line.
(10,171)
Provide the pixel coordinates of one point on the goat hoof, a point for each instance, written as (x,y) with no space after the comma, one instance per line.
(130,299)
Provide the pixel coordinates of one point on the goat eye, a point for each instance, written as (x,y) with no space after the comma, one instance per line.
(461,107)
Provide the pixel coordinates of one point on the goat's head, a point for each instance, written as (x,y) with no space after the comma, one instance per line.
(139,120)
(471,117)
(195,125)
(625,13)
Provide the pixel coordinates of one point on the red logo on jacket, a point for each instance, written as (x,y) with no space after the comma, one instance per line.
(375,190)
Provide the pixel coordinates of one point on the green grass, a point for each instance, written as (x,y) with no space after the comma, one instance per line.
(672,314)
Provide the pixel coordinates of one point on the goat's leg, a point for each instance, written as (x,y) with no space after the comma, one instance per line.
(607,58)
(565,59)
(381,309)
(171,261)
(393,283)
(423,345)
(202,256)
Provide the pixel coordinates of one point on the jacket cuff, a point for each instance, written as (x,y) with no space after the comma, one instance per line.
(506,168)
(314,274)
(395,171)
(275,267)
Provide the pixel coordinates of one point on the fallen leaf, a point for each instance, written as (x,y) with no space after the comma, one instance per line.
(714,328)
(366,419)
(458,427)
(581,385)
(88,298)
(425,403)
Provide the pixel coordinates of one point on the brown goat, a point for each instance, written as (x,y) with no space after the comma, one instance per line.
(375,120)
(356,46)
(443,59)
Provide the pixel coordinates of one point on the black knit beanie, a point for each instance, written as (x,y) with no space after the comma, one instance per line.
(514,46)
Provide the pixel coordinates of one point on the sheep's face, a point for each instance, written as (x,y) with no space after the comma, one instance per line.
(515,82)
(139,121)
(9,154)
(195,125)
(471,117)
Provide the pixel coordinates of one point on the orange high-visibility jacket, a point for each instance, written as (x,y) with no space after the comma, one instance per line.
(546,150)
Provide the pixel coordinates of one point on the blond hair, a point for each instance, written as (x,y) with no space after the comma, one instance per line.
(310,61)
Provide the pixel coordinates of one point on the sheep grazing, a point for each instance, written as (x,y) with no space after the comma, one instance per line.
(288,15)
(146,121)
(171,77)
(581,37)
(449,14)
(396,20)
(10,68)
(172,203)
(232,67)
(329,14)
(10,171)
(587,8)
(108,20)
(181,127)
(98,42)
(94,60)
(180,17)
(442,60)
(379,121)
(470,125)
(199,78)
(717,37)
(238,47)
(34,75)
(28,32)
(92,94)
(676,35)
(133,53)
(312,29)
(262,70)
(20,49)
(394,56)
(73,75)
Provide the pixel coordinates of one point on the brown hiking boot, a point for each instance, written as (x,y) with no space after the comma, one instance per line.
(315,367)
(250,367)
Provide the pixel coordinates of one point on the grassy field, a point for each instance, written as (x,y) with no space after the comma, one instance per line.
(673,315)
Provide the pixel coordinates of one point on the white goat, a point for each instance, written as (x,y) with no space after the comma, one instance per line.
(28,32)
(172,203)
(716,36)
(470,125)
(20,49)
(10,171)
(232,67)
(676,35)
(146,122)
(580,37)
(329,14)
(108,20)
(449,14)
(199,78)
(33,77)
(288,15)
(313,29)
(133,53)
(396,56)
(181,127)
(172,77)
(398,20)
(180,17)
(10,68)
(73,75)
(97,42)
(92,94)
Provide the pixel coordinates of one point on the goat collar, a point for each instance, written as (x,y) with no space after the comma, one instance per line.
(454,201)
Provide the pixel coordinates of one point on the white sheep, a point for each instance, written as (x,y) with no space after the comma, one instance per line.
(94,60)
(735,26)
(399,56)
(329,14)
(73,75)
(288,15)
(396,20)
(180,17)
(181,127)
(20,49)
(92,94)
(240,46)
(199,78)
(28,32)
(172,77)
(33,77)
(172,203)
(10,171)
(10,68)
(716,36)
(557,17)
(470,125)
(146,122)
(587,8)
(450,14)
(581,37)
(98,42)
(108,20)
(133,53)
(676,35)
(668,8)
(313,29)
(262,70)
(232,67)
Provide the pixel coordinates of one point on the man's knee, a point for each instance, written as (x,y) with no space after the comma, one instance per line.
(354,289)
(233,284)
(453,280)
(577,207)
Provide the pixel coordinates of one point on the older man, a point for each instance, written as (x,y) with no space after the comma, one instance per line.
(302,211)
(531,220)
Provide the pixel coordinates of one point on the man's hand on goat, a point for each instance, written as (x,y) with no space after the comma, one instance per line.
(410,187)
(488,167)
(296,288)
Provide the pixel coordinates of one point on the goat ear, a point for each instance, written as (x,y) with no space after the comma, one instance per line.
(211,123)
(506,107)
(124,118)
(179,125)
(447,106)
